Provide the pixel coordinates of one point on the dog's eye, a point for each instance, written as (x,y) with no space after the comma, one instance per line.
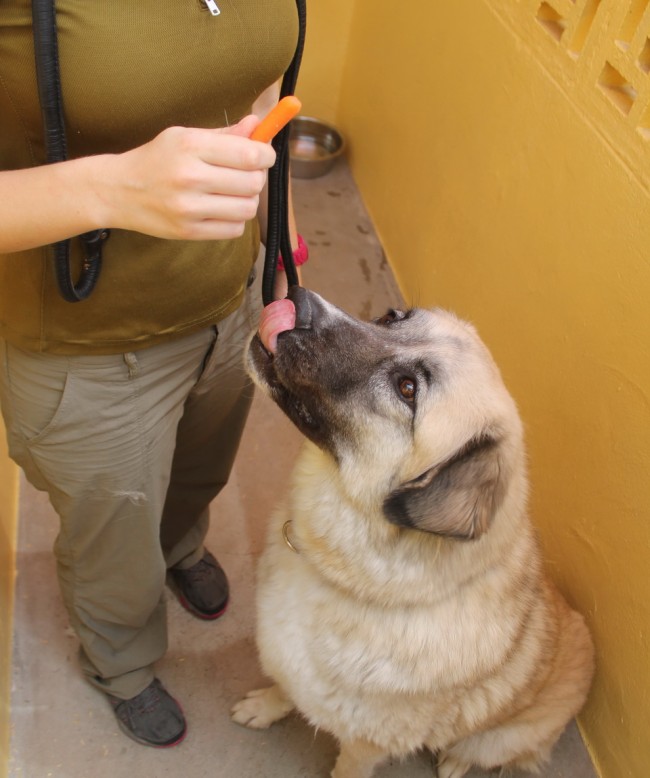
(407,388)
(389,317)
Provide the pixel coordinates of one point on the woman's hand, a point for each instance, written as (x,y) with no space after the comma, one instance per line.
(189,184)
(186,184)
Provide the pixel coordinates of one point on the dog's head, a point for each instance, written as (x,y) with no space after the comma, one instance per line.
(410,405)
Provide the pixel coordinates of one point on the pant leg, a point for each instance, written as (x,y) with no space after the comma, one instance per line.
(98,434)
(209,434)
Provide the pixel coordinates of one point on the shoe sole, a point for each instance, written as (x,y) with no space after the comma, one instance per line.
(144,742)
(200,614)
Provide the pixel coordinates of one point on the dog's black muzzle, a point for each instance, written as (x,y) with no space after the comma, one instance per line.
(311,310)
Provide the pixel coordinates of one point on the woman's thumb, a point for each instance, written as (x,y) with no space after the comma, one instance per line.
(244,127)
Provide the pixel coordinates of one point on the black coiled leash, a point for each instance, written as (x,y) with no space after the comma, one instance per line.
(277,232)
(49,92)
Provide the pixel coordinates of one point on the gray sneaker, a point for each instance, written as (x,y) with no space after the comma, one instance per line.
(203,588)
(152,718)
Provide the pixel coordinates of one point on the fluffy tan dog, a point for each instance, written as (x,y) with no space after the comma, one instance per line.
(402,600)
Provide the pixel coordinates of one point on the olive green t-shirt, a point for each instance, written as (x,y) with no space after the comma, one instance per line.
(129,70)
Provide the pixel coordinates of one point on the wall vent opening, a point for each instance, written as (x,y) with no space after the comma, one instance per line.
(551,20)
(644,57)
(617,88)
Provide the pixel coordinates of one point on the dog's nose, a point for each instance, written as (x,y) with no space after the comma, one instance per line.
(300,297)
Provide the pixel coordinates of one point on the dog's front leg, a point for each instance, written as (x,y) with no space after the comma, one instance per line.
(357,759)
(261,707)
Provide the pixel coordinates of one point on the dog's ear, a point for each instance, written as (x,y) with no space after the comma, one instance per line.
(457,498)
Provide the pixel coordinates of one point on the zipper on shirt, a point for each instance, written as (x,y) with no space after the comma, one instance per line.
(212,7)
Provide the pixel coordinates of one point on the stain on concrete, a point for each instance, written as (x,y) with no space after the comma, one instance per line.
(365,269)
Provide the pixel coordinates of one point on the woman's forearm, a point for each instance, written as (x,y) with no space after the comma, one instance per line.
(185,184)
(46,204)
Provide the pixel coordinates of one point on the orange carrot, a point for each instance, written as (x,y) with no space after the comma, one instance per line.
(276,119)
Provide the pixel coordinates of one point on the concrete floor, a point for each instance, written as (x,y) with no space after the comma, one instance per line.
(65,729)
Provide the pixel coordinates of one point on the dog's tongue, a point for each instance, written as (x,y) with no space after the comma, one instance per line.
(279,316)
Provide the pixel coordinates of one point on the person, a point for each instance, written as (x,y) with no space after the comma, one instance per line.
(127,407)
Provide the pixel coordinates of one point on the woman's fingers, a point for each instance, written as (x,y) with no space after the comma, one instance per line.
(221,148)
(186,181)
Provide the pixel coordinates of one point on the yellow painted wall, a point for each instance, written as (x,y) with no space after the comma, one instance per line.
(8,513)
(326,46)
(502,150)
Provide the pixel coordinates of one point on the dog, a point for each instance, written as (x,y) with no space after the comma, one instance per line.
(402,601)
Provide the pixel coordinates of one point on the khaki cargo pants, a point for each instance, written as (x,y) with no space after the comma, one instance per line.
(131,449)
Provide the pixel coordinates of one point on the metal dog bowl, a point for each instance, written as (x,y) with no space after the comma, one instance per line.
(314,147)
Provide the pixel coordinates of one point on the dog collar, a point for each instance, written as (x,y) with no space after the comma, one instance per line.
(286,538)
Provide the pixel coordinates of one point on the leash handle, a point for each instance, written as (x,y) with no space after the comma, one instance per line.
(277,233)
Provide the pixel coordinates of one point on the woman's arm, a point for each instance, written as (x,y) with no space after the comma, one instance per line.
(187,184)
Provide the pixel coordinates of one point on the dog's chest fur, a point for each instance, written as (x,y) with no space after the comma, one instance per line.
(355,623)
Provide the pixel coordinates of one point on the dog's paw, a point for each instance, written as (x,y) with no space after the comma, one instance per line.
(260,708)
(451,767)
